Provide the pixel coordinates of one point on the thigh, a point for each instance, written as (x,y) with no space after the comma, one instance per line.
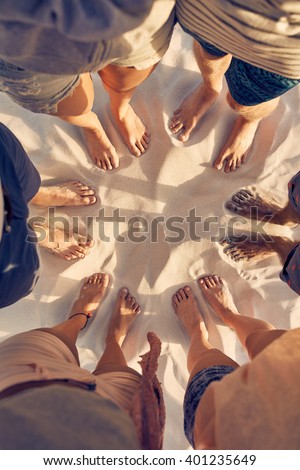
(250,85)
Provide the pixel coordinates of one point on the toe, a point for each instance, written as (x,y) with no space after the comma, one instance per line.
(176,128)
(232,207)
(140,147)
(247,193)
(90,279)
(114,160)
(145,143)
(182,293)
(123,293)
(232,165)
(218,163)
(202,283)
(207,282)
(184,136)
(89,200)
(137,309)
(227,165)
(179,296)
(135,151)
(108,164)
(104,279)
(188,291)
(175,122)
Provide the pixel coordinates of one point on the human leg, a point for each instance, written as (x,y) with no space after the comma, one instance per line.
(194,107)
(253,333)
(254,94)
(121,83)
(70,97)
(201,353)
(77,109)
(235,149)
(125,312)
(205,363)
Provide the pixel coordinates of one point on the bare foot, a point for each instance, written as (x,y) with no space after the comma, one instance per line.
(101,150)
(186,308)
(69,246)
(125,313)
(258,206)
(258,248)
(133,131)
(253,205)
(255,249)
(191,110)
(216,292)
(91,294)
(70,193)
(235,150)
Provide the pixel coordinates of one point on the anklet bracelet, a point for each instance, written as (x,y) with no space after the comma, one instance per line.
(81,313)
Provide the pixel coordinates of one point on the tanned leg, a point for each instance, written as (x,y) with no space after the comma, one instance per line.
(77,109)
(121,83)
(194,107)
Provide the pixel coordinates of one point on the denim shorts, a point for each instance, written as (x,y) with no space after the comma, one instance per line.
(140,48)
(194,392)
(249,85)
(37,92)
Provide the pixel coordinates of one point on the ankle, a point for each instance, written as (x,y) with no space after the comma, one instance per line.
(228,316)
(287,215)
(212,89)
(81,318)
(119,111)
(113,338)
(283,247)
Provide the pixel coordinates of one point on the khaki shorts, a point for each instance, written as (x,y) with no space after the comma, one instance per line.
(37,355)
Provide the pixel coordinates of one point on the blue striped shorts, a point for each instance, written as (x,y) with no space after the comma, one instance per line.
(249,85)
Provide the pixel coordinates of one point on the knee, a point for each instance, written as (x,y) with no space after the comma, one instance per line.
(235,106)
(80,101)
